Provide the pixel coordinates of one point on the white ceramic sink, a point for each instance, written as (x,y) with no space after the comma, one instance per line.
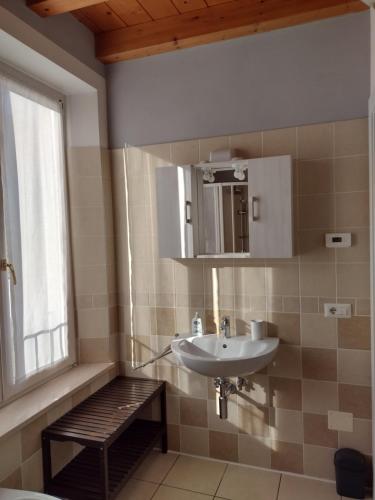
(216,356)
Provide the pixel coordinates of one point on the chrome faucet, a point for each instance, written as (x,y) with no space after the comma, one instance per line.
(225,327)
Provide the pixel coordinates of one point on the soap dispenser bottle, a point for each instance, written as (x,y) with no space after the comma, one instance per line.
(196,326)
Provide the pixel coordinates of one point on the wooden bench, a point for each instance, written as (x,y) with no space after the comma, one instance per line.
(115,440)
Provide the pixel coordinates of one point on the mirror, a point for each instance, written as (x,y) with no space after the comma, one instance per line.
(225,212)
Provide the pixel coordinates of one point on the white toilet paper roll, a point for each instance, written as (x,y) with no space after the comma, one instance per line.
(257,329)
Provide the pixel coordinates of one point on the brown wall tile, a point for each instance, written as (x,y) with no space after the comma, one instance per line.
(319,364)
(223,446)
(316,431)
(287,457)
(355,399)
(285,393)
(354,333)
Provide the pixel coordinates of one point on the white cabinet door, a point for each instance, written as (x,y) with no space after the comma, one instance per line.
(177,212)
(270,207)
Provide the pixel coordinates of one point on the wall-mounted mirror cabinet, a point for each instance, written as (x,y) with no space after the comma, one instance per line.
(238,208)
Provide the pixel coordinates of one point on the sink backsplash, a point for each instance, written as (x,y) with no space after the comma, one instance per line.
(322,364)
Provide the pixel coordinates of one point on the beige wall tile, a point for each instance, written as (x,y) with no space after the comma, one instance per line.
(223,446)
(361,437)
(193,412)
(254,450)
(319,396)
(285,393)
(318,280)
(352,209)
(228,425)
(59,410)
(318,461)
(249,281)
(287,362)
(192,384)
(287,457)
(351,137)
(185,152)
(360,249)
(315,141)
(318,331)
(353,280)
(31,471)
(253,419)
(316,431)
(280,142)
(355,399)
(286,425)
(354,367)
(165,321)
(206,146)
(247,145)
(96,350)
(315,177)
(94,323)
(316,211)
(309,305)
(284,326)
(354,333)
(351,174)
(11,449)
(291,304)
(311,246)
(319,364)
(31,440)
(282,279)
(173,410)
(13,481)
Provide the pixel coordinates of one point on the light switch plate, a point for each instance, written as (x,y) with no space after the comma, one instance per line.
(338,240)
(340,421)
(338,310)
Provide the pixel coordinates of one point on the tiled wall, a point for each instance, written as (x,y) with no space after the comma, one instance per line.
(90,203)
(93,253)
(322,364)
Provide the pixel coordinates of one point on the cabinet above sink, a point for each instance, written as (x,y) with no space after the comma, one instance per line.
(236,209)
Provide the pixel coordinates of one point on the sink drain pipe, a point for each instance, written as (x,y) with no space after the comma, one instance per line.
(226,388)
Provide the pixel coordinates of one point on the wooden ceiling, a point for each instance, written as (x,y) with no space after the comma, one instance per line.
(128,29)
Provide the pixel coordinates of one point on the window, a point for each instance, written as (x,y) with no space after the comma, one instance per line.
(37,337)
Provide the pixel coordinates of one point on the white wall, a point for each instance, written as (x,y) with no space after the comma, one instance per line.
(310,73)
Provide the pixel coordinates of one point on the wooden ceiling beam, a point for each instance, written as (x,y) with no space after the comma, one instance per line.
(219,22)
(47,8)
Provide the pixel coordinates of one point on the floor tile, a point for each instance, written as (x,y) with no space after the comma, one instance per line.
(137,490)
(243,483)
(155,467)
(295,488)
(168,493)
(194,474)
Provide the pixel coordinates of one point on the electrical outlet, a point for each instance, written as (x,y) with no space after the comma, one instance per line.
(338,310)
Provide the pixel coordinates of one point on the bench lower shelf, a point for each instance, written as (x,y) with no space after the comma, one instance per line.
(80,478)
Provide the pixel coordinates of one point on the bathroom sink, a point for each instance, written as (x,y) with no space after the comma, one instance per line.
(217,356)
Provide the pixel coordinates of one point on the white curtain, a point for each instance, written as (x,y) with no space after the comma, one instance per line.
(35,311)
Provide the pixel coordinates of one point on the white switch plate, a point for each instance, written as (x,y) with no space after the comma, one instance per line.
(338,310)
(338,240)
(340,421)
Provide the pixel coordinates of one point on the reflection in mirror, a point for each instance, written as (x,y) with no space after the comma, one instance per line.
(226,215)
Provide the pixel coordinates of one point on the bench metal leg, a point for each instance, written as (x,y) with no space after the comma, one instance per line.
(163,411)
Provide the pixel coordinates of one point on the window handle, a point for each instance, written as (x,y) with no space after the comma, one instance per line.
(5,265)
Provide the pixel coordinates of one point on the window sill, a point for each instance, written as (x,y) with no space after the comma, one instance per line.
(21,411)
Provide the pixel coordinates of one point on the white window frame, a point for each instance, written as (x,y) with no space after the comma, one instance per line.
(9,393)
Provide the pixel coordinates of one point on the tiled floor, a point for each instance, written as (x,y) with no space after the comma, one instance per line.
(179,477)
